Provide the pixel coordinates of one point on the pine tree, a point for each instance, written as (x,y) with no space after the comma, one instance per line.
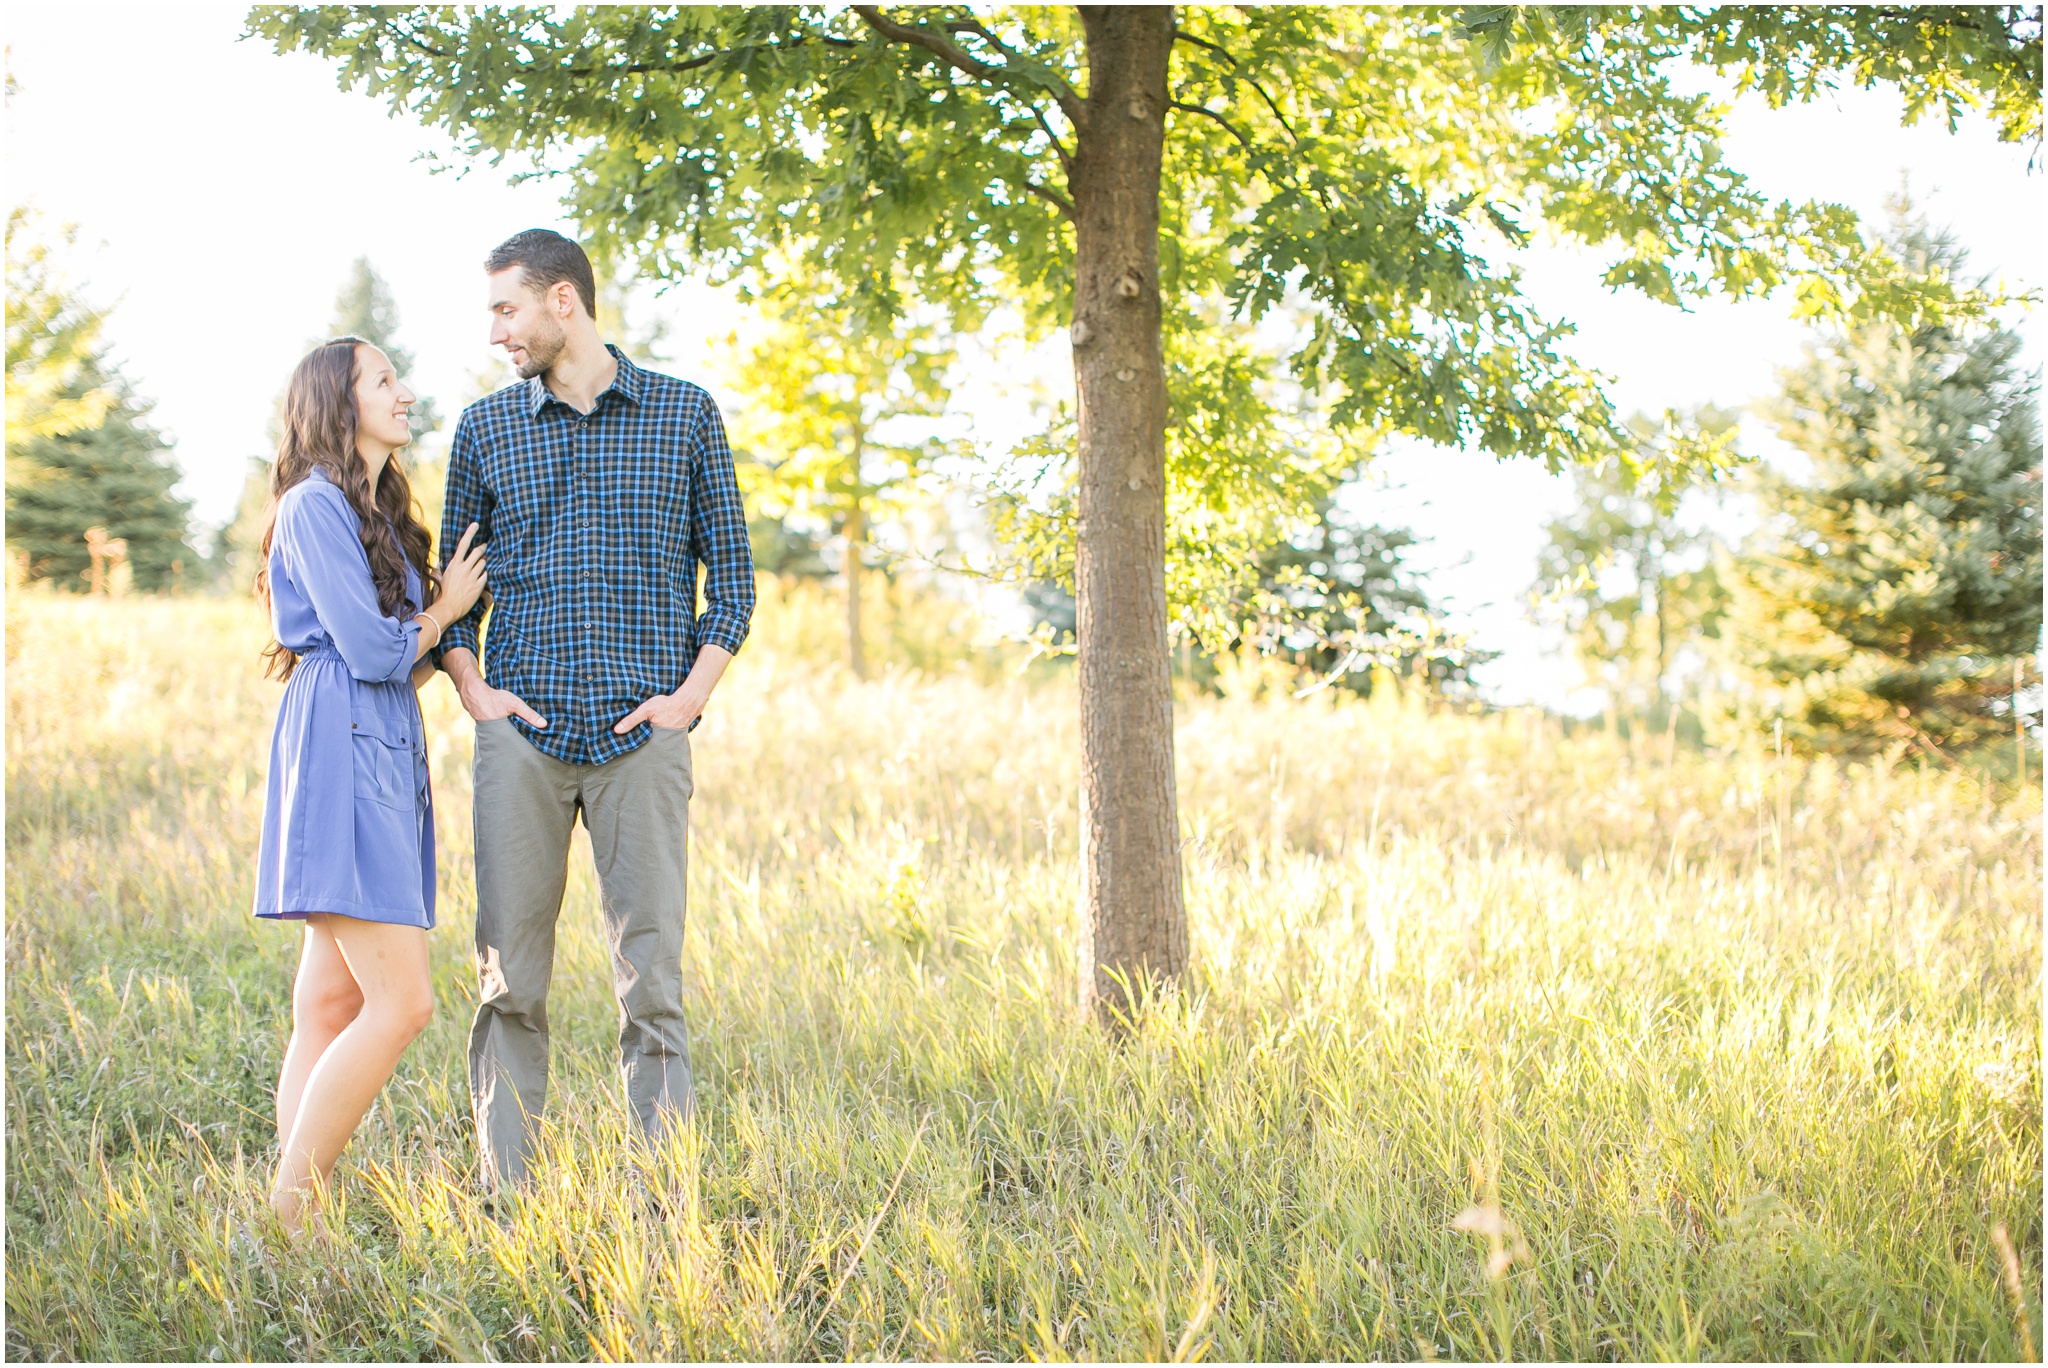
(117,475)
(363,308)
(1896,587)
(81,452)
(1335,599)
(52,337)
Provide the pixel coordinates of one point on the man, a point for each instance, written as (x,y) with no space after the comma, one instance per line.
(599,488)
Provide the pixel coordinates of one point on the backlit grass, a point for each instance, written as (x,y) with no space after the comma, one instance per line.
(1500,1043)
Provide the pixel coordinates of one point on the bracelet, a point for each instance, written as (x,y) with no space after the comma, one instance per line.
(437,626)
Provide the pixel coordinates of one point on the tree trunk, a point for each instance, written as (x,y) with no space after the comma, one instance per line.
(1134,925)
(1650,577)
(856,537)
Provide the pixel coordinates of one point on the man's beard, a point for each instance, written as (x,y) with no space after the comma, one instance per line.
(541,350)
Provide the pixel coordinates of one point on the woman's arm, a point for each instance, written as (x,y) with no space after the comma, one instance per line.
(326,561)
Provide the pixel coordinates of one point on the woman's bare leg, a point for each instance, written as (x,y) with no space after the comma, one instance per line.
(325,999)
(389,965)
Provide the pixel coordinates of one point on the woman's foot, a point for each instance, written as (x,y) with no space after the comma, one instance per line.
(298,1210)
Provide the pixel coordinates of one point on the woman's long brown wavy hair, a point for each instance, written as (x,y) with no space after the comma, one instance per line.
(320,430)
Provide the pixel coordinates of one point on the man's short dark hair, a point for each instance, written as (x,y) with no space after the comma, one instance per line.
(545,259)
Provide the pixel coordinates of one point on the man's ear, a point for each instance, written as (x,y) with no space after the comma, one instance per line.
(563,297)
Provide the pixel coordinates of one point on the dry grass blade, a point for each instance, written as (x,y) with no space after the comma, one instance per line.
(873,1226)
(2009,1264)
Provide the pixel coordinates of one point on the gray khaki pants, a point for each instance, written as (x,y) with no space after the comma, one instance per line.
(637,811)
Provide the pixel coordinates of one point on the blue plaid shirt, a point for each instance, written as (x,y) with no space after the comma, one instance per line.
(596,524)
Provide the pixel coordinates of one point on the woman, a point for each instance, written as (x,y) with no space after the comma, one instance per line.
(348,822)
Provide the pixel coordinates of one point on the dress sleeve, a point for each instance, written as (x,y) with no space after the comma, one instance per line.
(326,560)
(718,537)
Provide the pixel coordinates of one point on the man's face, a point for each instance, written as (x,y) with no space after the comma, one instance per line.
(526,323)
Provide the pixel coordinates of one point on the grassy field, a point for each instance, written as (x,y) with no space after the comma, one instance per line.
(1500,1043)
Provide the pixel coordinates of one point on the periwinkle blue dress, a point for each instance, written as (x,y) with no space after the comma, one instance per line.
(348,821)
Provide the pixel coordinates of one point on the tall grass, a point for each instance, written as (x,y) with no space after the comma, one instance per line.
(1499,1043)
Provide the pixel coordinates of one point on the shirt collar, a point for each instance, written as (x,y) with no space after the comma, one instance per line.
(628,384)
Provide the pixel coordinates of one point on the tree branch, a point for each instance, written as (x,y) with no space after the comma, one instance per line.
(1182,35)
(976,27)
(692,64)
(412,36)
(1197,109)
(943,48)
(1052,197)
(1059,148)
(951,53)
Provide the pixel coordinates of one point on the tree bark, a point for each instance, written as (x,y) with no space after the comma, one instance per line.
(856,537)
(1134,925)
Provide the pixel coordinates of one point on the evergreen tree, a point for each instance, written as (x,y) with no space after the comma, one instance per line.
(1895,588)
(780,547)
(115,474)
(235,549)
(52,338)
(1335,600)
(81,452)
(363,308)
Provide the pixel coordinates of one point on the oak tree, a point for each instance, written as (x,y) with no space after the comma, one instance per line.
(1124,171)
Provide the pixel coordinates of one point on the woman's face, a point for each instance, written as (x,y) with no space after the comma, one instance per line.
(382,400)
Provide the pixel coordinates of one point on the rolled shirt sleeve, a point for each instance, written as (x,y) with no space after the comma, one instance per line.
(325,556)
(718,537)
(465,501)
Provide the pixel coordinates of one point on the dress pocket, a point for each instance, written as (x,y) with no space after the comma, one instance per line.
(383,759)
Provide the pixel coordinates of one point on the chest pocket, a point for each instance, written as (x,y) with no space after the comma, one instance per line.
(385,765)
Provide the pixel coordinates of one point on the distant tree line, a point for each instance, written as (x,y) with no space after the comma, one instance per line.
(1890,597)
(83,459)
(87,469)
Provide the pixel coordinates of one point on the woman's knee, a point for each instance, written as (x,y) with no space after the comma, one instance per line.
(389,964)
(403,1012)
(326,1004)
(410,1011)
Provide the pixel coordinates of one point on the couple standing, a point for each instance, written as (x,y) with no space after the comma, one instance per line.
(593,490)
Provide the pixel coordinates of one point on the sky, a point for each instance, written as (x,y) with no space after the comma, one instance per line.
(221,193)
